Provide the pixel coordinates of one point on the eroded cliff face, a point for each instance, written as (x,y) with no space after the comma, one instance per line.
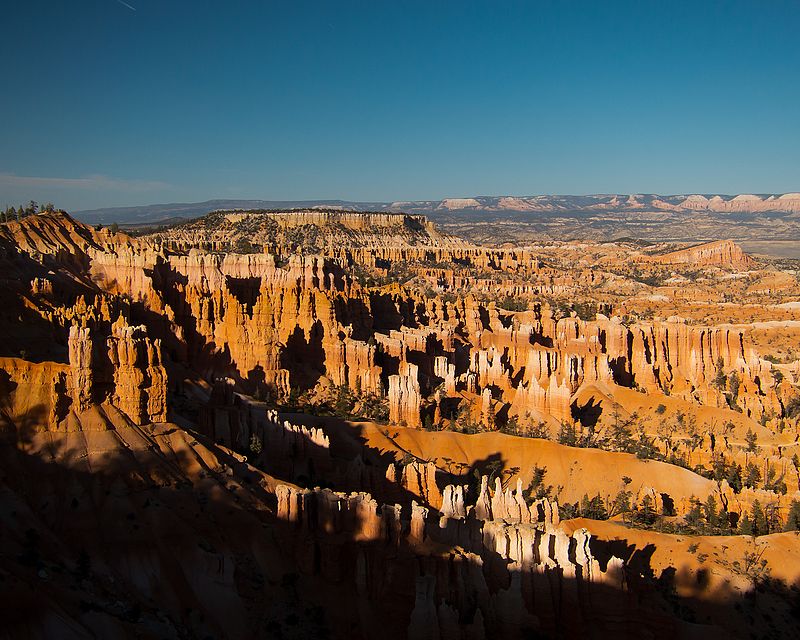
(281,326)
(723,252)
(158,390)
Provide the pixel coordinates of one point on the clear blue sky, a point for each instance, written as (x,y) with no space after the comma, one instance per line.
(183,101)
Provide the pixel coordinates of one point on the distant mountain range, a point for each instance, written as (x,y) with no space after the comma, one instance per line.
(492,207)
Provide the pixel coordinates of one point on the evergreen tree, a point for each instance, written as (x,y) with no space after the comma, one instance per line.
(793,517)
(720,380)
(645,446)
(598,508)
(621,504)
(621,432)
(734,386)
(594,508)
(539,430)
(694,517)
(752,476)
(751,438)
(734,477)
(646,513)
(759,519)
(774,482)
(343,406)
(773,517)
(537,489)
(723,518)
(746,526)
(567,435)
(712,516)
(719,468)
(491,418)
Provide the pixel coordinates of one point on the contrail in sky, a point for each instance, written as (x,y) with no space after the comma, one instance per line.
(125,4)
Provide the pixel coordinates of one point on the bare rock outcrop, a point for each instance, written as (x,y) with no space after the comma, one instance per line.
(723,253)
(140,380)
(404,396)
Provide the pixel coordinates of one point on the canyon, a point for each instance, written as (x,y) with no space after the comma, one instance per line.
(324,423)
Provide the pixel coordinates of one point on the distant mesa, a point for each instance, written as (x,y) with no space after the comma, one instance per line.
(724,253)
(713,203)
(459,203)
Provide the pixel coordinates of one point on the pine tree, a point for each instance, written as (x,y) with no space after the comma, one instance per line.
(719,468)
(344,402)
(752,476)
(734,387)
(537,489)
(585,506)
(646,514)
(712,517)
(734,477)
(567,435)
(759,519)
(720,380)
(793,517)
(751,438)
(745,526)
(621,504)
(597,508)
(723,518)
(694,517)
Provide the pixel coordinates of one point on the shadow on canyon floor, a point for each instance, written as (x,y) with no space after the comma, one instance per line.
(177,538)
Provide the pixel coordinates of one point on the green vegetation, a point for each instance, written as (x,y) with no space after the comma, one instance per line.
(720,381)
(23,211)
(793,517)
(341,402)
(509,303)
(751,439)
(537,489)
(255,444)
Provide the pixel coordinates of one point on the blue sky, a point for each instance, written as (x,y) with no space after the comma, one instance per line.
(163,100)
